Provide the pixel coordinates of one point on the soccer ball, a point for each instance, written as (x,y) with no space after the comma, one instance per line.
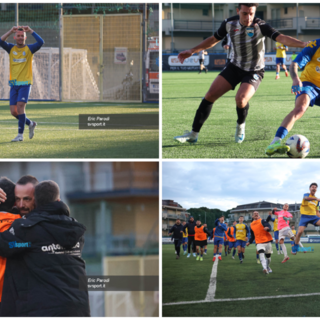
(299,146)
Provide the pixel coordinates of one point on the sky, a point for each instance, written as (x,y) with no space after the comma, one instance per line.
(226,184)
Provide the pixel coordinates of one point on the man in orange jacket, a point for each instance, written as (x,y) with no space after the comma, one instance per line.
(7,216)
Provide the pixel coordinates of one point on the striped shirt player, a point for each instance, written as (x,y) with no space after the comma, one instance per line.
(201,60)
(280,59)
(307,91)
(247,35)
(260,233)
(21,78)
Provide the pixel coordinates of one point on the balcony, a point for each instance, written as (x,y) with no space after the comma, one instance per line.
(189,25)
(312,23)
(281,24)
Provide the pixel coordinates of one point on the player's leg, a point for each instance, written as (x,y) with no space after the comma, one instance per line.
(220,249)
(243,249)
(301,105)
(217,89)
(193,246)
(261,251)
(285,69)
(249,85)
(202,251)
(205,249)
(200,67)
(198,252)
(258,260)
(277,71)
(284,249)
(239,251)
(189,245)
(215,247)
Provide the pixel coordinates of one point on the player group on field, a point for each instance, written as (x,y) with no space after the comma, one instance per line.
(193,235)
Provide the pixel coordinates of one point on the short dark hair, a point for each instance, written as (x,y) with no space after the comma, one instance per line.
(249,5)
(45,192)
(313,184)
(28,179)
(221,216)
(241,216)
(8,187)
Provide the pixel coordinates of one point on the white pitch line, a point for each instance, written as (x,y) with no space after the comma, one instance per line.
(213,282)
(242,299)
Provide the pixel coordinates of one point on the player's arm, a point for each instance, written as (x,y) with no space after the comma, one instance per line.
(270,218)
(266,225)
(207,231)
(296,82)
(251,238)
(223,226)
(274,211)
(248,232)
(3,44)
(39,41)
(290,41)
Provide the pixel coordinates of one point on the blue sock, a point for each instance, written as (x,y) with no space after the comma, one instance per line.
(240,256)
(281,132)
(28,121)
(277,246)
(257,255)
(234,252)
(277,73)
(219,253)
(205,250)
(201,256)
(21,123)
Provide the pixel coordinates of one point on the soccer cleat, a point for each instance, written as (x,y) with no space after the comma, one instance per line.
(242,255)
(281,252)
(205,253)
(214,259)
(220,258)
(277,77)
(269,270)
(241,261)
(175,252)
(278,252)
(201,259)
(285,259)
(198,257)
(287,74)
(258,261)
(184,252)
(188,136)
(17,138)
(240,133)
(232,257)
(276,148)
(194,255)
(265,271)
(188,256)
(294,249)
(32,127)
(177,257)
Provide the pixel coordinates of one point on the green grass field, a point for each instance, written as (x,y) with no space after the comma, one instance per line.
(188,280)
(58,136)
(182,93)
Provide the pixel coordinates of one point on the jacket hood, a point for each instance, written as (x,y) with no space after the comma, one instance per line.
(54,218)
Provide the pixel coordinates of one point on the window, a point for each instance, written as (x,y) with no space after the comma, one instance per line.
(205,12)
(285,10)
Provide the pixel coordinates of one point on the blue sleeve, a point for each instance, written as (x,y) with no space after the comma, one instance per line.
(272,219)
(36,46)
(306,195)
(216,223)
(224,227)
(248,231)
(307,53)
(6,46)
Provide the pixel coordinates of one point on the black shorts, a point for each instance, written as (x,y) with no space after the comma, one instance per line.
(201,61)
(201,243)
(235,75)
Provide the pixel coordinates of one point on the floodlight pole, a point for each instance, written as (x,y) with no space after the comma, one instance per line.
(17,14)
(297,6)
(213,18)
(172,41)
(60,53)
(144,52)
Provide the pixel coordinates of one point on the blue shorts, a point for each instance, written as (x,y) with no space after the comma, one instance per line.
(19,94)
(276,235)
(292,242)
(306,219)
(218,241)
(241,243)
(312,91)
(280,60)
(185,240)
(226,243)
(232,244)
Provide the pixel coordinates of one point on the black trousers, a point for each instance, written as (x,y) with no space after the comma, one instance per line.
(191,241)
(177,245)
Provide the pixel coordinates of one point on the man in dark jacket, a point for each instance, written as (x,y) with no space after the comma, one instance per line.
(44,266)
(190,225)
(176,232)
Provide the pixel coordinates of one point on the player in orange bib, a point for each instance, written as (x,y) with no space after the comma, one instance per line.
(6,219)
(200,238)
(260,232)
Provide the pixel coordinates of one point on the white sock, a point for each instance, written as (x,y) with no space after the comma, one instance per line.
(284,250)
(275,140)
(195,134)
(263,261)
(268,262)
(300,244)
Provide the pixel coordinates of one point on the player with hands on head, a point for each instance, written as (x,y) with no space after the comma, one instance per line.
(306,89)
(21,77)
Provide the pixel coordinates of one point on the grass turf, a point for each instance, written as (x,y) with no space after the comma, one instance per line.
(182,93)
(57,134)
(188,280)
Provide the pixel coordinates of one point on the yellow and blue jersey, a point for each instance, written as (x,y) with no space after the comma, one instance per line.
(241,231)
(281,50)
(309,207)
(275,224)
(21,61)
(185,234)
(309,58)
(294,231)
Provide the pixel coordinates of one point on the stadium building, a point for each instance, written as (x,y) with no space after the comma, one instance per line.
(264,207)
(170,212)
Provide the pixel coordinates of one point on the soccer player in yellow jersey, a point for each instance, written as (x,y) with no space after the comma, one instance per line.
(280,59)
(307,91)
(309,210)
(275,231)
(185,239)
(294,231)
(21,79)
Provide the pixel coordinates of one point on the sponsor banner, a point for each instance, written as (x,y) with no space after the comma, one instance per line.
(171,62)
(313,240)
(120,55)
(270,61)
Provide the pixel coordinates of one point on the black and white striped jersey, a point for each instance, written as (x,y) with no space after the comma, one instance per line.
(247,42)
